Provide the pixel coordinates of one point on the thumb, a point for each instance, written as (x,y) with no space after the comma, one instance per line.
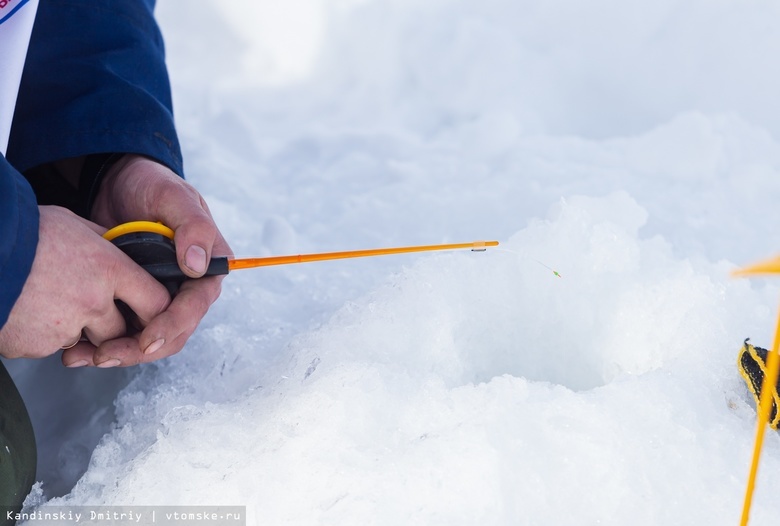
(194,239)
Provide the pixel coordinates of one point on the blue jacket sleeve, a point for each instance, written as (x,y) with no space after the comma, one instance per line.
(95,81)
(18,235)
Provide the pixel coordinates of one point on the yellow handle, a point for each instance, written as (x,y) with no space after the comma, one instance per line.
(138,226)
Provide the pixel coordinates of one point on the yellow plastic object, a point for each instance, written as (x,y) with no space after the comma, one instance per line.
(138,226)
(243,263)
(771,266)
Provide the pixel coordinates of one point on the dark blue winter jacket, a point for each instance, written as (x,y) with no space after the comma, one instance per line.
(94,82)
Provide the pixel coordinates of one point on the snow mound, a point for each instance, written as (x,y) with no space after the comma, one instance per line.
(470,387)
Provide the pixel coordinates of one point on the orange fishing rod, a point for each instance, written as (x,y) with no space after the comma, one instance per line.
(242,263)
(151,246)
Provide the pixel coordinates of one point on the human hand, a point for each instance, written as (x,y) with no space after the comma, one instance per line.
(75,277)
(138,188)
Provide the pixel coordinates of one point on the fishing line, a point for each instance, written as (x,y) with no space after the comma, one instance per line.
(531,258)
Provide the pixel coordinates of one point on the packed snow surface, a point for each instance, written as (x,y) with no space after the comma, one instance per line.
(631,147)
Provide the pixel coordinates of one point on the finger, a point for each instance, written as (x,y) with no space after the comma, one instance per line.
(145,296)
(119,352)
(109,326)
(166,334)
(112,353)
(183,210)
(196,235)
(170,349)
(194,239)
(194,243)
(80,355)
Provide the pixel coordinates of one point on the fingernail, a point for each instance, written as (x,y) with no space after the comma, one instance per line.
(80,363)
(195,259)
(113,362)
(154,346)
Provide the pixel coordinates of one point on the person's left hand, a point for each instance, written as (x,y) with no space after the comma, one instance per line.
(138,188)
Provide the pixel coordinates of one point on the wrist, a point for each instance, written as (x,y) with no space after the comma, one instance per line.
(95,169)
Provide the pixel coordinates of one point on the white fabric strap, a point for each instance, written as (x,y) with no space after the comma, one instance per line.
(16,22)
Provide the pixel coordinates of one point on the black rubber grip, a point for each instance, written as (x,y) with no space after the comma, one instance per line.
(157,255)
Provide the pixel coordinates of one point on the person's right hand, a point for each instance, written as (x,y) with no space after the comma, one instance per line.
(75,277)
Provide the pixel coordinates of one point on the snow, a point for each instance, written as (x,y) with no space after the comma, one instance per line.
(632,147)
